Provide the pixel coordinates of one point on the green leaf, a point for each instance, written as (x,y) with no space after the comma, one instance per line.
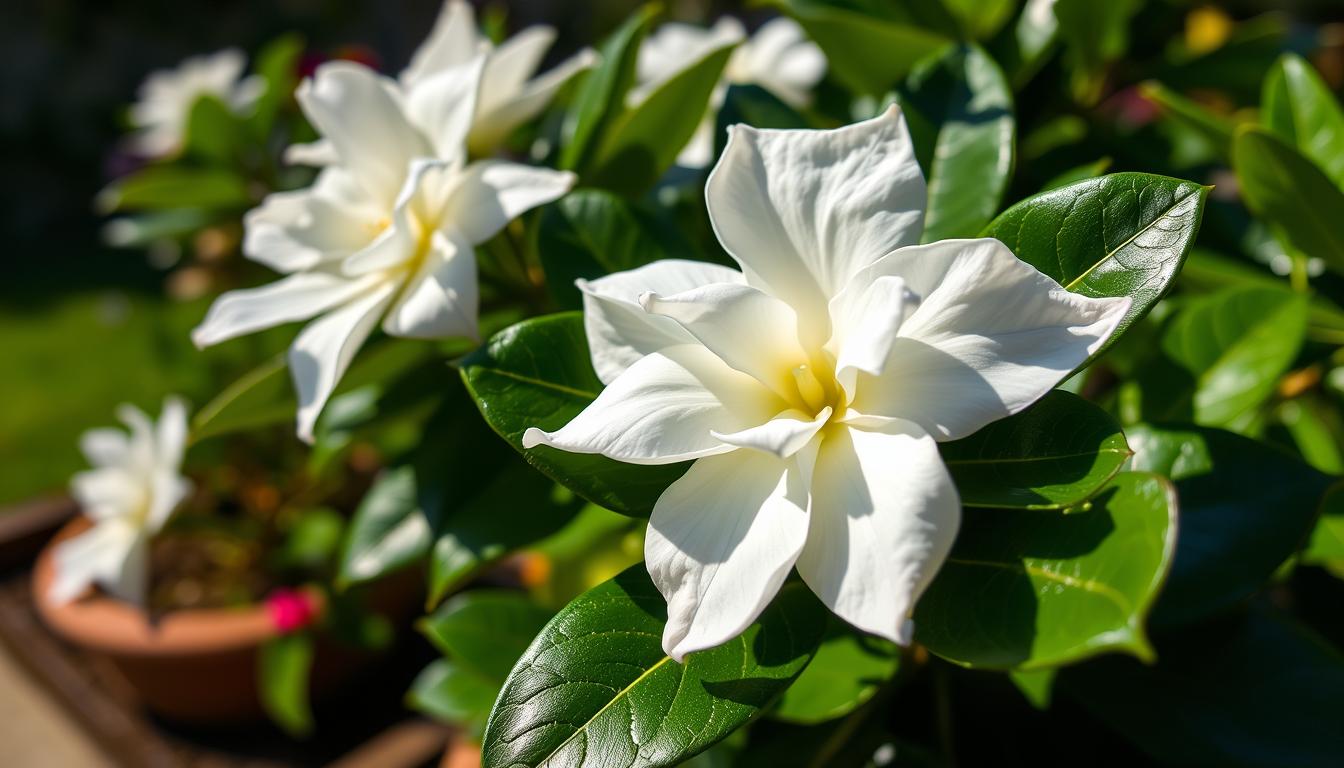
(1245,509)
(596,680)
(1301,109)
(980,19)
(390,530)
(869,54)
(1249,692)
(1326,545)
(278,66)
(845,672)
(1236,343)
(538,374)
(753,105)
(486,630)
(960,112)
(1291,193)
(1037,687)
(1094,34)
(1022,590)
(1125,234)
(213,133)
(172,186)
(453,694)
(643,141)
(283,668)
(1213,128)
(265,396)
(592,232)
(601,97)
(1056,454)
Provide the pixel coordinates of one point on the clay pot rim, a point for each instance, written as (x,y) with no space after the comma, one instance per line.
(102,623)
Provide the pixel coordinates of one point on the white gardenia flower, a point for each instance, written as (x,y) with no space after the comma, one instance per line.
(509,95)
(779,58)
(387,232)
(130,493)
(167,96)
(812,387)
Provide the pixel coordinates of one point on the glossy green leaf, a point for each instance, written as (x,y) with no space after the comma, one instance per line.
(1125,234)
(596,682)
(1213,128)
(1245,509)
(1236,343)
(845,672)
(1326,545)
(1022,590)
(284,666)
(1302,110)
(592,232)
(453,694)
(485,630)
(1316,429)
(869,53)
(1253,691)
(171,186)
(1037,687)
(601,97)
(1286,189)
(959,108)
(538,374)
(1094,34)
(1056,454)
(643,141)
(1033,38)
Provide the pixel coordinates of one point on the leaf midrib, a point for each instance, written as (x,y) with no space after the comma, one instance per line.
(1111,254)
(620,695)
(544,384)
(1087,585)
(1031,459)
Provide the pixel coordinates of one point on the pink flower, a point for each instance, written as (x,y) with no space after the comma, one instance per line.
(290,609)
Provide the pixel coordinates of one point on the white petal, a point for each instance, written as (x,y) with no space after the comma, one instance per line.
(721,541)
(171,433)
(317,153)
(802,211)
(107,493)
(514,61)
(403,238)
(498,114)
(491,193)
(442,106)
(884,516)
(453,41)
(675,47)
(990,337)
(865,319)
(751,331)
(440,301)
(782,436)
(99,555)
(324,348)
(297,297)
(664,409)
(362,115)
(619,331)
(103,447)
(780,58)
(292,231)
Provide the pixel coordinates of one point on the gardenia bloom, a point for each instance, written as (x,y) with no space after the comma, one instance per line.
(811,388)
(779,58)
(167,96)
(129,494)
(387,232)
(509,94)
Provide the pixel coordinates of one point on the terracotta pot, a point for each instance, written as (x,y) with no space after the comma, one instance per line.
(191,666)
